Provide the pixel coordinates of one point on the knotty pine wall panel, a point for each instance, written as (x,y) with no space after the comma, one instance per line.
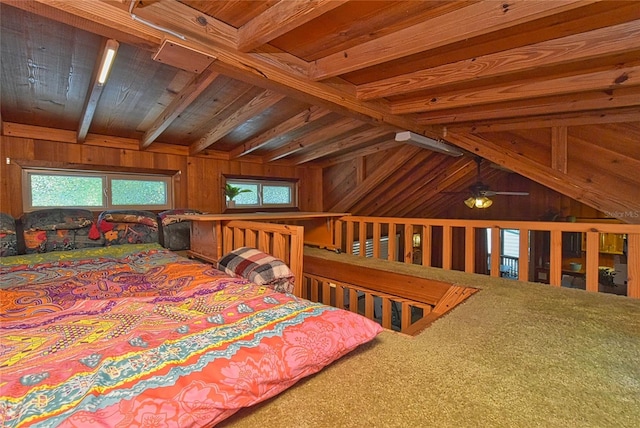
(338,181)
(197,186)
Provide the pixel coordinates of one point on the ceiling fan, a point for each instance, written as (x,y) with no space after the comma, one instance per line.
(480,192)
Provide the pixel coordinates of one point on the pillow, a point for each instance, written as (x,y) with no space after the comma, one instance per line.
(128,227)
(258,267)
(129,216)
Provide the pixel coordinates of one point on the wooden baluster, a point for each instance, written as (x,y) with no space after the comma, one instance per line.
(426,245)
(495,251)
(469,249)
(362,237)
(408,243)
(349,242)
(392,242)
(633,265)
(447,247)
(405,316)
(523,259)
(376,239)
(555,273)
(592,261)
(386,313)
(368,305)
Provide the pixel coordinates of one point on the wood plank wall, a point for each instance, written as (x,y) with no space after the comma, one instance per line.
(198,186)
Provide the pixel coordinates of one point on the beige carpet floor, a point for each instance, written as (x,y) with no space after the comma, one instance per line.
(513,355)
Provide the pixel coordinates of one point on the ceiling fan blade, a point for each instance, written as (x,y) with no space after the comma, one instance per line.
(511,193)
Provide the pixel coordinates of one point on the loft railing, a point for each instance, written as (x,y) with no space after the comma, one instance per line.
(458,245)
(508,266)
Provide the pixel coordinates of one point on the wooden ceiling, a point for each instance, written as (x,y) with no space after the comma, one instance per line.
(549,89)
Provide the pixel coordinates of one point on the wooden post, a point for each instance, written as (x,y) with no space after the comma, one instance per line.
(470,249)
(523,260)
(392,242)
(447,247)
(362,238)
(555,271)
(408,243)
(376,239)
(592,261)
(495,251)
(633,265)
(426,246)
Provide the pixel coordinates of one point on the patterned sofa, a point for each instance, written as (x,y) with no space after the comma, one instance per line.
(59,229)
(175,234)
(8,236)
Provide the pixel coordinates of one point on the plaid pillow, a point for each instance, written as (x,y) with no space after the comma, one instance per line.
(259,268)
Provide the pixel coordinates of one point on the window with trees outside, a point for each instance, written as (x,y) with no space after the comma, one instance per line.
(95,190)
(265,193)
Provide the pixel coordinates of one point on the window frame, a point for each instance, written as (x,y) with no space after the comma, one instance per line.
(107,177)
(260,182)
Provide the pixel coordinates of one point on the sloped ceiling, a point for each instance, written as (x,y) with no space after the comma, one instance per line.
(548,89)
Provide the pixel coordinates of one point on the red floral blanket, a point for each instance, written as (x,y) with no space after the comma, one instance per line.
(145,338)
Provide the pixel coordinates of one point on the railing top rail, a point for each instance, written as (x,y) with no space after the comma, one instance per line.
(503,224)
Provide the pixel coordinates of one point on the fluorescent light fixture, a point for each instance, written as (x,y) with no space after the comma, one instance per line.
(428,143)
(107,60)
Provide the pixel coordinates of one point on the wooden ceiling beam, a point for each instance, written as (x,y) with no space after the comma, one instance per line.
(559,156)
(313,138)
(63,136)
(279,19)
(587,101)
(187,95)
(612,163)
(628,114)
(474,20)
(97,18)
(258,104)
(591,46)
(326,148)
(192,24)
(109,47)
(268,72)
(386,169)
(599,80)
(278,132)
(582,189)
(274,73)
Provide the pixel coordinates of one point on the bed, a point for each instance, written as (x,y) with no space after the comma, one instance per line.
(136,335)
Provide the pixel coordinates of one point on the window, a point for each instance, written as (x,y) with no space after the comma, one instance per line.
(509,252)
(265,193)
(48,188)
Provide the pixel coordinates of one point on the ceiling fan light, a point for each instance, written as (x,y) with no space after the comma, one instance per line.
(483,202)
(470,202)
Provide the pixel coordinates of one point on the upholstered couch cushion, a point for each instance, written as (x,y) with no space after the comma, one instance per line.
(175,234)
(8,236)
(58,229)
(128,227)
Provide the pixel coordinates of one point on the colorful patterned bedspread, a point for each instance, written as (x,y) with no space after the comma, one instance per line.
(141,337)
